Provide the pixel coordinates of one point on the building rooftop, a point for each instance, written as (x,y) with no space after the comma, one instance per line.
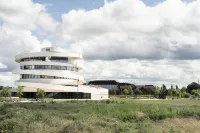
(103,82)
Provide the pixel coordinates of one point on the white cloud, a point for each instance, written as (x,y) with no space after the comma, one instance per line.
(130,29)
(2,66)
(46,22)
(128,40)
(7,78)
(20,19)
(157,72)
(124,40)
(25,14)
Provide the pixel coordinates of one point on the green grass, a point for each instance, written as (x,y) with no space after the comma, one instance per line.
(118,115)
(172,102)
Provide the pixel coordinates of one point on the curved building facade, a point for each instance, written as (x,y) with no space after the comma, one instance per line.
(56,72)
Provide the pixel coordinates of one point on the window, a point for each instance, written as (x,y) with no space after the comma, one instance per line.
(21,67)
(74,69)
(64,68)
(32,76)
(48,49)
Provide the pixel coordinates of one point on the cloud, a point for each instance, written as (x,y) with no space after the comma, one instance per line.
(19,20)
(124,40)
(26,15)
(130,29)
(7,78)
(2,66)
(156,72)
(46,23)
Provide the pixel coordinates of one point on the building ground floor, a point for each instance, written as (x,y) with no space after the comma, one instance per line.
(62,92)
(56,95)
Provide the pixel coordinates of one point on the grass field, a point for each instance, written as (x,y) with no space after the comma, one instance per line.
(110,116)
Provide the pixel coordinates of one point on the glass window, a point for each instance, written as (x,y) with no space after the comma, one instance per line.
(64,68)
(68,67)
(48,49)
(73,68)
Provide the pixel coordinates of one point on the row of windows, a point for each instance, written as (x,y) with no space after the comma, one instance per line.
(60,95)
(32,76)
(49,67)
(56,59)
(33,59)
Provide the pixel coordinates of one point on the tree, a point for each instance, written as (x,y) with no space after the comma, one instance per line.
(172,87)
(112,92)
(125,91)
(157,92)
(177,87)
(130,90)
(183,89)
(178,93)
(148,90)
(137,91)
(169,92)
(185,95)
(163,92)
(133,87)
(196,92)
(40,94)
(20,92)
(174,92)
(192,86)
(1,87)
(5,92)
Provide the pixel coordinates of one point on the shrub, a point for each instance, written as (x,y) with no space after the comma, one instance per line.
(19,92)
(5,92)
(40,94)
(185,95)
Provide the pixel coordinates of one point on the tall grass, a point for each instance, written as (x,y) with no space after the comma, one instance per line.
(88,116)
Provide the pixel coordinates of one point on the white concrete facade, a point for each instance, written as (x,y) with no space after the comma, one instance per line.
(54,70)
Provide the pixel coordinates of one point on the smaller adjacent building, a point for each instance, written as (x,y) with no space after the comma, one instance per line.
(112,84)
(108,84)
(146,86)
(124,85)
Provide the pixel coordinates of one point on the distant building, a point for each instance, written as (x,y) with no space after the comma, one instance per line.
(124,85)
(145,86)
(112,84)
(109,84)
(147,89)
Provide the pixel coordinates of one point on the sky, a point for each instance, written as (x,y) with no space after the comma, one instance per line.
(137,41)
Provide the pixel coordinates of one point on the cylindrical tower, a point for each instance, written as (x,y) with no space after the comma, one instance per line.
(55,71)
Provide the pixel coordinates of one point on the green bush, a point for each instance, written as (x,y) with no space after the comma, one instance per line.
(185,95)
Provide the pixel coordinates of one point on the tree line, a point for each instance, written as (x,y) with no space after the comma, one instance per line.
(192,90)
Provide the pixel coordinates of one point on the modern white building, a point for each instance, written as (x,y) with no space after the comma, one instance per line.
(56,72)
